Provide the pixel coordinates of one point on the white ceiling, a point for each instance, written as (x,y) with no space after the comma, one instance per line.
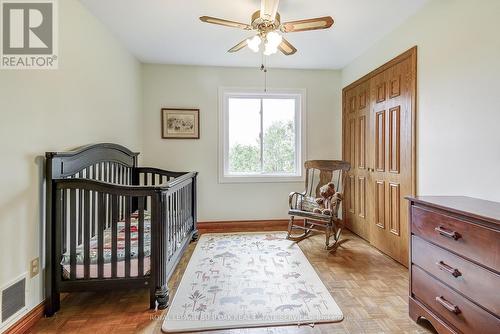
(169,31)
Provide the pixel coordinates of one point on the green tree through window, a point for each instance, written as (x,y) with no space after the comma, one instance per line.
(277,156)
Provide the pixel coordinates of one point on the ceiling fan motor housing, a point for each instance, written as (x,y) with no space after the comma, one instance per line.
(264,25)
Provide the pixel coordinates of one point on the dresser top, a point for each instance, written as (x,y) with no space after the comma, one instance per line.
(467,206)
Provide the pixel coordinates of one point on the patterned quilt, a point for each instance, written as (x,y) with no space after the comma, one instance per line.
(134,242)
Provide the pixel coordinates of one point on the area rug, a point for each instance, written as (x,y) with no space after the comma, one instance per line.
(240,280)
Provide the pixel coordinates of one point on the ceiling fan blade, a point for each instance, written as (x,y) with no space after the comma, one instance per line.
(308,24)
(286,48)
(268,9)
(238,46)
(222,22)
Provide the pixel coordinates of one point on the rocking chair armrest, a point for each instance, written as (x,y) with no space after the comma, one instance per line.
(291,197)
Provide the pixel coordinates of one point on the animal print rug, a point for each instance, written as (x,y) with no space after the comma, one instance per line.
(248,280)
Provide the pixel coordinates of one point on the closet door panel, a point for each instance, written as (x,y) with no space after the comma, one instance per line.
(380,145)
(357,105)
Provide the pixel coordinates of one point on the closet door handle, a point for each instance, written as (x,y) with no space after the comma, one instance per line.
(447,305)
(452,271)
(449,234)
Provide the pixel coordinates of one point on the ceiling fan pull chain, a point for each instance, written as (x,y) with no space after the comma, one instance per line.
(263,67)
(265,80)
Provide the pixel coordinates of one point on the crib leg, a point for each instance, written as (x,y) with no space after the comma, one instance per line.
(160,296)
(195,236)
(52,304)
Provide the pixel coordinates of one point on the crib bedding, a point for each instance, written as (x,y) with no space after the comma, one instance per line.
(120,269)
(134,245)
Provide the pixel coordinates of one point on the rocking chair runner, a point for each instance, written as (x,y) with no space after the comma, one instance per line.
(301,204)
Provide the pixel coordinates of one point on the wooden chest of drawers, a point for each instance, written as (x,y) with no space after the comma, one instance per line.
(455,263)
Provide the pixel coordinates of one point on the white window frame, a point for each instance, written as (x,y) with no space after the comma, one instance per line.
(300,138)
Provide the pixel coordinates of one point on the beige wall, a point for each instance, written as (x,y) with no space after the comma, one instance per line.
(197,87)
(458,118)
(94,96)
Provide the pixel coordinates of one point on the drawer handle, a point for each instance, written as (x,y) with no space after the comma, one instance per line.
(448,269)
(447,305)
(449,234)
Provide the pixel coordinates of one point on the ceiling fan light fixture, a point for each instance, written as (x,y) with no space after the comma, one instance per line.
(269,50)
(254,43)
(273,39)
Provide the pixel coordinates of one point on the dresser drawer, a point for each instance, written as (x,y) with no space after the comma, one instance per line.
(477,243)
(451,306)
(464,276)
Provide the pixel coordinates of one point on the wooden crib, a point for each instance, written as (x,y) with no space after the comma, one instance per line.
(113,225)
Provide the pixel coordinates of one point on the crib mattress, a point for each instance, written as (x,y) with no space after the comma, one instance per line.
(134,245)
(120,269)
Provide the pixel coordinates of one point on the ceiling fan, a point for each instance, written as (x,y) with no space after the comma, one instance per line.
(267,23)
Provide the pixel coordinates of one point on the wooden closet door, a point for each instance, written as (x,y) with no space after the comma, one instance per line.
(358,114)
(377,185)
(391,177)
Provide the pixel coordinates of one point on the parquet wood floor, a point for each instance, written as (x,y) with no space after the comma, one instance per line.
(370,288)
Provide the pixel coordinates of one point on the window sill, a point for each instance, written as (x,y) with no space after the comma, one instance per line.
(261,179)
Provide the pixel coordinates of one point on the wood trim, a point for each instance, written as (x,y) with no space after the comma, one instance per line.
(244,225)
(407,54)
(27,321)
(413,57)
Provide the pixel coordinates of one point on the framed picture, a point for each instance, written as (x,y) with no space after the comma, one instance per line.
(180,123)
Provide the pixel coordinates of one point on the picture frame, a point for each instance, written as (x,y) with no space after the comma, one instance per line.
(178,123)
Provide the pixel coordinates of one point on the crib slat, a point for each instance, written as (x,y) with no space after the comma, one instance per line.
(108,210)
(86,235)
(167,232)
(183,212)
(93,200)
(107,197)
(100,235)
(60,220)
(122,174)
(171,221)
(128,205)
(172,217)
(178,217)
(115,173)
(64,212)
(114,236)
(120,177)
(72,233)
(80,216)
(186,208)
(140,264)
(162,234)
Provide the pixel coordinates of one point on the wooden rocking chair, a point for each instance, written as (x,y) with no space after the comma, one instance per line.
(318,173)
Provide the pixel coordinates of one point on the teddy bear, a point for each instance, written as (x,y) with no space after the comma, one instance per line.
(328,200)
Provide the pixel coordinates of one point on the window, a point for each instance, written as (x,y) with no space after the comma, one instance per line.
(261,136)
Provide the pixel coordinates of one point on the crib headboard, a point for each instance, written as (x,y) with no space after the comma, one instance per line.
(67,164)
